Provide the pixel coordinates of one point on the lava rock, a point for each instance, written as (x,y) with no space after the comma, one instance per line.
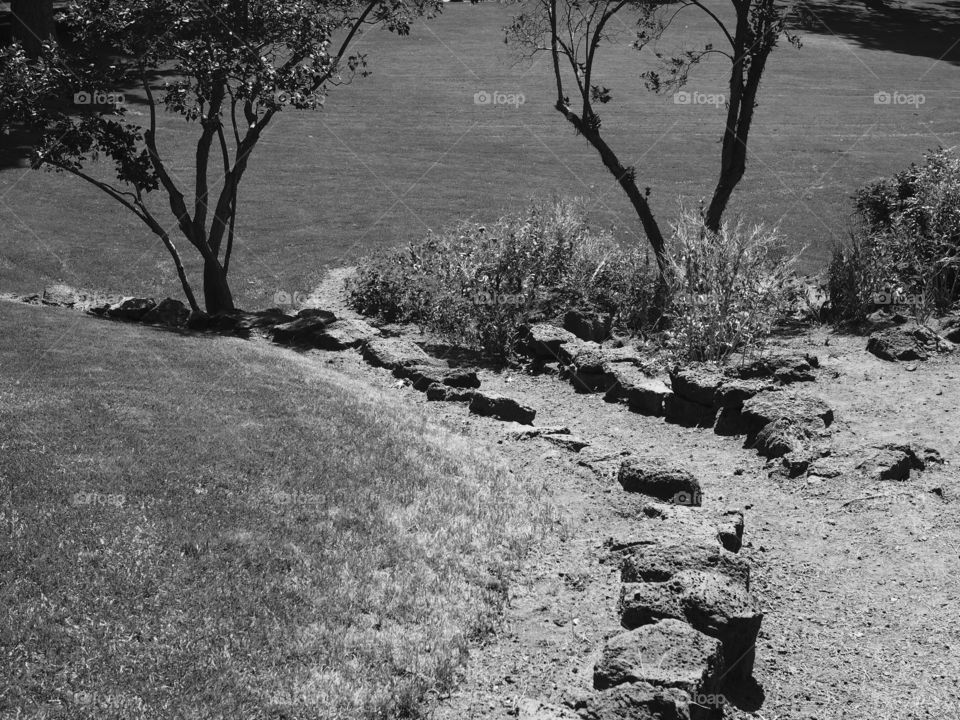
(642,394)
(59,295)
(131,309)
(302,331)
(667,654)
(393,352)
(588,325)
(659,479)
(542,341)
(680,411)
(501,407)
(730,530)
(657,561)
(912,342)
(643,701)
(697,384)
(168,312)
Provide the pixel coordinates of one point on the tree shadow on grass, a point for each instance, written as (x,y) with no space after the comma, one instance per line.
(929,28)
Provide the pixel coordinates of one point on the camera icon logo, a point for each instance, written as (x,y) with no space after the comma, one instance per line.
(882,98)
(682,98)
(82,98)
(482,98)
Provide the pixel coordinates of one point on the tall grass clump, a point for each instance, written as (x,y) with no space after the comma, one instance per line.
(904,250)
(727,289)
(475,284)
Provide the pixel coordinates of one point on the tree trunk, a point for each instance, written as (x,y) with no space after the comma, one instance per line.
(216,291)
(32,24)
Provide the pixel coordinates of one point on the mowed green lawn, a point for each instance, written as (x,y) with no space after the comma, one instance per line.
(407,149)
(206,528)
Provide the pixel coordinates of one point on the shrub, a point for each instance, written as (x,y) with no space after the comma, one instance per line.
(905,250)
(475,284)
(727,289)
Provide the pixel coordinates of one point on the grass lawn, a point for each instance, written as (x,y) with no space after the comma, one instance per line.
(208,528)
(407,149)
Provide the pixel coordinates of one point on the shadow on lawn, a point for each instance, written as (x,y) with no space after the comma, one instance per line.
(927,29)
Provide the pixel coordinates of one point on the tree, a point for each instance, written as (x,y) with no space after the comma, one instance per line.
(232,65)
(32,24)
(573,32)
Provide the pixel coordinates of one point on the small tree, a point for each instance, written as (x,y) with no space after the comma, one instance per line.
(233,65)
(574,31)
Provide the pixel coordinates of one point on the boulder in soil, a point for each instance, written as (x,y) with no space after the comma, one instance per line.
(894,462)
(641,393)
(343,334)
(643,701)
(588,324)
(910,342)
(131,309)
(59,295)
(394,352)
(711,602)
(730,530)
(698,384)
(501,407)
(784,369)
(170,312)
(666,654)
(542,341)
(771,405)
(302,331)
(658,561)
(658,478)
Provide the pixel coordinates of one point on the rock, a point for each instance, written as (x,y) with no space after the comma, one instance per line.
(657,478)
(643,701)
(698,384)
(317,313)
(785,369)
(828,467)
(423,377)
(585,366)
(667,654)
(711,602)
(733,393)
(730,530)
(771,405)
(780,438)
(271,317)
(525,433)
(444,393)
(574,443)
(168,312)
(687,413)
(501,407)
(131,309)
(894,462)
(656,561)
(59,295)
(529,709)
(730,421)
(911,342)
(642,394)
(588,325)
(436,391)
(542,341)
(461,379)
(302,331)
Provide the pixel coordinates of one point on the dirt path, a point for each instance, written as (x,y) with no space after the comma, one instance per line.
(858,579)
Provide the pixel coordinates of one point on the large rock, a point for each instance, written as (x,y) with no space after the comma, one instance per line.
(131,309)
(318,332)
(911,342)
(501,407)
(587,369)
(641,393)
(439,391)
(895,461)
(302,331)
(730,530)
(654,560)
(784,369)
(643,701)
(735,392)
(769,406)
(170,312)
(59,295)
(395,352)
(588,324)
(658,478)
(667,654)
(542,341)
(423,376)
(711,602)
(698,384)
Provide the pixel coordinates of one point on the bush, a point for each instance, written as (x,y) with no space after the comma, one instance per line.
(905,249)
(727,289)
(475,284)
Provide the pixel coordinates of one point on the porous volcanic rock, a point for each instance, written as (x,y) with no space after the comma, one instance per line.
(660,479)
(680,411)
(587,324)
(697,384)
(501,407)
(641,393)
(394,352)
(542,341)
(643,701)
(910,342)
(304,330)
